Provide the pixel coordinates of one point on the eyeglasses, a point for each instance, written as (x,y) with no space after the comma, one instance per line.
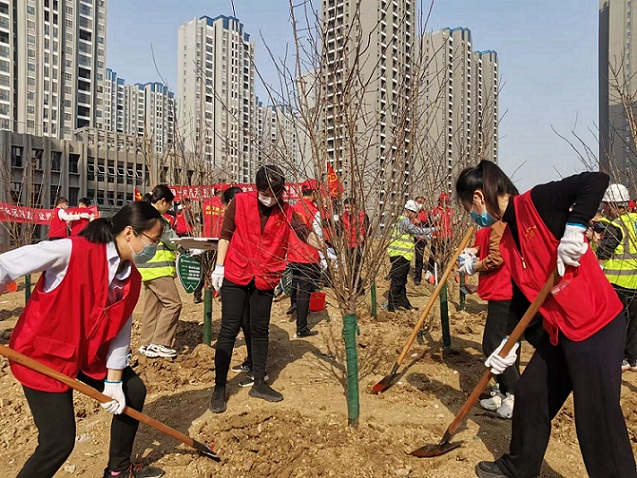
(152,242)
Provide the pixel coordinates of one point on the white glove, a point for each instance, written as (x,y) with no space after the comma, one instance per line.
(500,364)
(116,392)
(323,264)
(196,252)
(467,262)
(217,277)
(85,215)
(331,254)
(572,247)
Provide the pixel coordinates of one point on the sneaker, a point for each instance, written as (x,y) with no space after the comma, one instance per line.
(262,390)
(142,349)
(301,334)
(506,409)
(136,471)
(489,469)
(633,365)
(625,365)
(291,310)
(154,351)
(245,367)
(218,399)
(197,300)
(248,380)
(494,402)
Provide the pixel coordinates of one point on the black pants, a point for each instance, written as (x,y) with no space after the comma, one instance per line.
(440,250)
(55,419)
(591,369)
(495,329)
(629,299)
(398,288)
(305,279)
(419,249)
(235,299)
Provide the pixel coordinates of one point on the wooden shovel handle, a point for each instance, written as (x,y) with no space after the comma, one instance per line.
(436,293)
(513,338)
(91,392)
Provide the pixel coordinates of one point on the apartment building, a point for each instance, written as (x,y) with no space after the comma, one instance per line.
(216,95)
(52,61)
(617,82)
(457,112)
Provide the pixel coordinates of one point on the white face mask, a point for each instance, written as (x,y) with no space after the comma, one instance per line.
(267,201)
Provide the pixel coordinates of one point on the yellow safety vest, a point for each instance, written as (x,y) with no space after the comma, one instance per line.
(401,243)
(162,264)
(621,268)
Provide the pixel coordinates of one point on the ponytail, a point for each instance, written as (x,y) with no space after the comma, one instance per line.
(489,178)
(141,216)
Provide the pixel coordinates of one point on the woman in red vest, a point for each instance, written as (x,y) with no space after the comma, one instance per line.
(251,257)
(78,321)
(494,286)
(582,348)
(61,220)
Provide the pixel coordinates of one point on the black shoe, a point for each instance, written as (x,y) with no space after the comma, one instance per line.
(409,307)
(262,390)
(417,281)
(489,469)
(197,300)
(248,380)
(218,400)
(301,334)
(391,308)
(245,367)
(291,310)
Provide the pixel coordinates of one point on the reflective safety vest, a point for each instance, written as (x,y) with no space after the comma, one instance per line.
(163,264)
(401,243)
(621,268)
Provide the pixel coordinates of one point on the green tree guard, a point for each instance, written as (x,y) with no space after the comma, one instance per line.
(207,316)
(350,329)
(27,288)
(374,306)
(444,318)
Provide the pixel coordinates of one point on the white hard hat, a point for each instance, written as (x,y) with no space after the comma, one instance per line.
(412,206)
(616,193)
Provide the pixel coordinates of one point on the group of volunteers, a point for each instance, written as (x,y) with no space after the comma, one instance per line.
(65,222)
(79,318)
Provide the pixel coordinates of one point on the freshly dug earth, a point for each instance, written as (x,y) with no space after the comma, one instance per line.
(306,435)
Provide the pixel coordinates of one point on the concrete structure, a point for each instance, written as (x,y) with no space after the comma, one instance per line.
(457,111)
(52,62)
(146,110)
(372,42)
(617,79)
(216,95)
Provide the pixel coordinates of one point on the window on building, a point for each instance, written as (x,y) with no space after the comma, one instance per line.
(74,163)
(56,161)
(16,156)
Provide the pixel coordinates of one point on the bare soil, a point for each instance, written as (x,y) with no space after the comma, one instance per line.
(306,435)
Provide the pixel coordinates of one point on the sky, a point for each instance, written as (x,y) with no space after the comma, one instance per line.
(547,53)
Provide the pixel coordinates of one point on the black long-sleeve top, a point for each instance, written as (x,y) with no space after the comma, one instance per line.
(575,199)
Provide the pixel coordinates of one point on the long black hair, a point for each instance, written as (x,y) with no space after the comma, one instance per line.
(490,179)
(158,193)
(139,215)
(270,177)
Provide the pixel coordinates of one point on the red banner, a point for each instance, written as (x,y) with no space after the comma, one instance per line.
(202,193)
(334,185)
(13,213)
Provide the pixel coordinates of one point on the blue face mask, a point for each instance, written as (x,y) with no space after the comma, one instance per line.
(485,219)
(146,254)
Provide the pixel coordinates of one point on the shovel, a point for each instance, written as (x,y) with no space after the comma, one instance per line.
(203,449)
(445,445)
(385,383)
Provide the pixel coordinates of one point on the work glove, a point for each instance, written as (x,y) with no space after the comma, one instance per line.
(217,277)
(116,392)
(196,252)
(500,364)
(331,254)
(467,262)
(572,246)
(86,215)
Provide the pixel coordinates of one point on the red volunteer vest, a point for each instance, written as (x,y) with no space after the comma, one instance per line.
(78,226)
(170,218)
(213,217)
(354,230)
(57,227)
(584,302)
(253,254)
(298,250)
(70,327)
(492,285)
(182,226)
(442,218)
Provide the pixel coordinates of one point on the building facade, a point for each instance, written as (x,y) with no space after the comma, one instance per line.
(617,88)
(457,111)
(52,64)
(216,96)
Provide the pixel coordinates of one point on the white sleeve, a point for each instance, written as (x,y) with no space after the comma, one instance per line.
(317,225)
(118,357)
(65,216)
(50,256)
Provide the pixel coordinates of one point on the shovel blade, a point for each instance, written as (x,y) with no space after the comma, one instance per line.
(383,385)
(430,451)
(206,450)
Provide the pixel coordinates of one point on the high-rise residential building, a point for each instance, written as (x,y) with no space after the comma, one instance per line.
(617,87)
(52,63)
(216,95)
(283,141)
(457,112)
(146,110)
(368,60)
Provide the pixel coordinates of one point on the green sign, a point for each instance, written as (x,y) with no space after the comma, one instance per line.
(189,271)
